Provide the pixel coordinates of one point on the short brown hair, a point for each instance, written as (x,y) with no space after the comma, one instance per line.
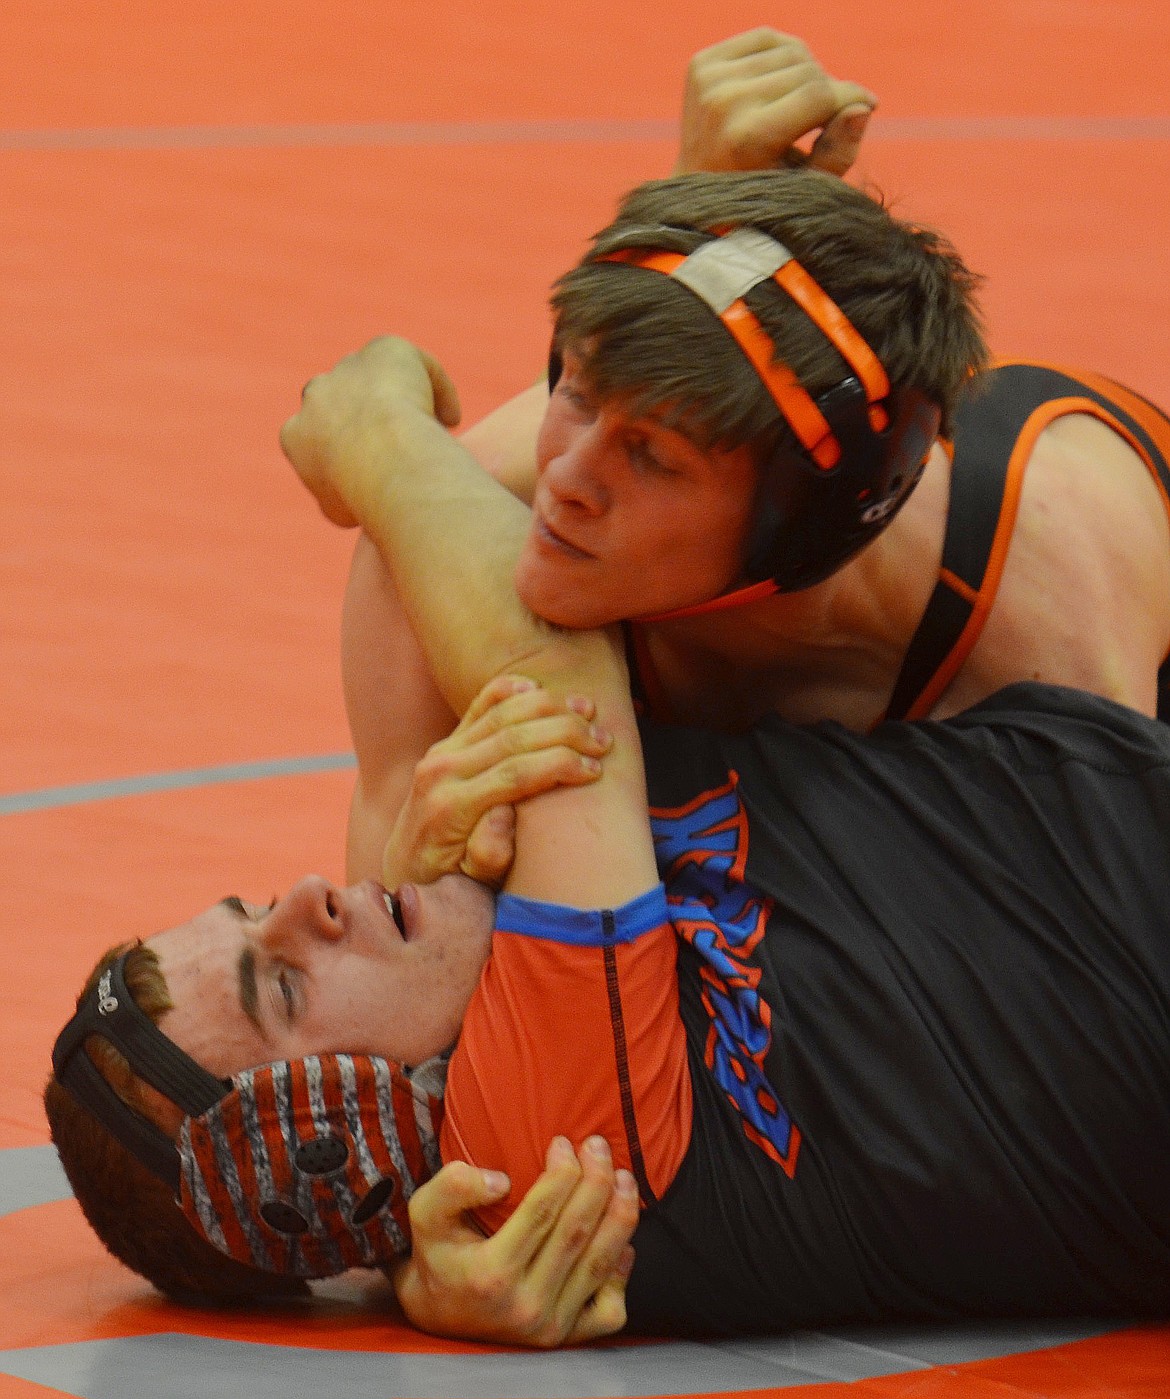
(133,1212)
(645,338)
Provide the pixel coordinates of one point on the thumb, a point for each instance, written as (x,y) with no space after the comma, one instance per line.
(838,145)
(491,847)
(438,1206)
(447,408)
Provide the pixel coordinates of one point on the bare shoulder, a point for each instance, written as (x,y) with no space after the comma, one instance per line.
(1085,595)
(1086,485)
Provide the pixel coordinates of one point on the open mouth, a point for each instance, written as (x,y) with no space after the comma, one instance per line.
(394,908)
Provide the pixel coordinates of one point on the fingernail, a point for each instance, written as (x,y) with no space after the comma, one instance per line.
(600,734)
(598,1148)
(591,764)
(625,1185)
(521,684)
(560,1150)
(625,1264)
(496,1183)
(580,704)
(855,125)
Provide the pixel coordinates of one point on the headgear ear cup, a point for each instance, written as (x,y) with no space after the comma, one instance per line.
(307,1167)
(808,523)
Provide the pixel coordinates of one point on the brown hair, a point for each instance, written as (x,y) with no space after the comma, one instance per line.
(133,1212)
(645,338)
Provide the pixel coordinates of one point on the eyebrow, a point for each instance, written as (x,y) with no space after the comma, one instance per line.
(245,967)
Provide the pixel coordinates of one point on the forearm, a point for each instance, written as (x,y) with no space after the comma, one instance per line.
(368,445)
(450,535)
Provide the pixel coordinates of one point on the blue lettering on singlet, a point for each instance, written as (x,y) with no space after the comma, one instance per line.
(702,853)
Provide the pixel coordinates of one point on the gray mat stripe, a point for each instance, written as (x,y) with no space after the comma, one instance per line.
(1007,128)
(172,1367)
(973,128)
(387,133)
(106,790)
(30,1175)
(175,1367)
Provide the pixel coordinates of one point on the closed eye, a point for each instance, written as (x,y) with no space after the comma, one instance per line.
(234,904)
(645,460)
(574,397)
(288,994)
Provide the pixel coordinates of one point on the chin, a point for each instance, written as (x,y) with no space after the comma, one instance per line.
(554,602)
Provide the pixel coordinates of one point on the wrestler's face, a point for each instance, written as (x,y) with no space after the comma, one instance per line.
(629,516)
(323,970)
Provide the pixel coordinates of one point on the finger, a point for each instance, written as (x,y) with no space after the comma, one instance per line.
(441,775)
(605,1315)
(447,408)
(588,1245)
(476,753)
(464,754)
(491,847)
(750,41)
(493,693)
(438,1208)
(444,832)
(792,112)
(514,707)
(746,68)
(516,779)
(297,445)
(574,1232)
(522,1236)
(837,147)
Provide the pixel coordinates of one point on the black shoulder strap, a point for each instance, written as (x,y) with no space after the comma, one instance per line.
(990,418)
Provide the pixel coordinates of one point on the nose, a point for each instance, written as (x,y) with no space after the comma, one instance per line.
(310,911)
(574,475)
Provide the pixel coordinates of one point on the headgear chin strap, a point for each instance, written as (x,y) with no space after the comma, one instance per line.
(859,447)
(303,1167)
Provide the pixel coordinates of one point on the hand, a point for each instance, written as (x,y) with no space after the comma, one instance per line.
(749,99)
(340,408)
(555,1273)
(514,741)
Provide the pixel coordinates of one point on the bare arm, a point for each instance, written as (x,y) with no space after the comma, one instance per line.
(368,444)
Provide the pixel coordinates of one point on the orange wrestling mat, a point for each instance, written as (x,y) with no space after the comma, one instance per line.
(202,205)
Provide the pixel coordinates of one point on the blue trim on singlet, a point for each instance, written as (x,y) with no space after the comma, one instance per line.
(583,927)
